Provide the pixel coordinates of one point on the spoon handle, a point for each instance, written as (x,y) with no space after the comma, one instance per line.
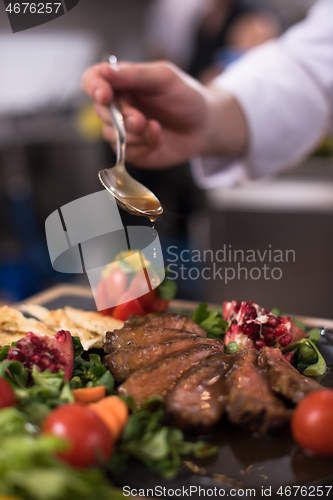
(118,122)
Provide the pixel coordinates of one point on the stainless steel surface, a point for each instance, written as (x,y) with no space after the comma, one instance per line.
(129,194)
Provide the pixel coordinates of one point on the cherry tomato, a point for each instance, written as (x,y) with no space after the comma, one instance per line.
(116,285)
(139,285)
(123,311)
(107,312)
(151,302)
(7,395)
(88,437)
(312,422)
(101,296)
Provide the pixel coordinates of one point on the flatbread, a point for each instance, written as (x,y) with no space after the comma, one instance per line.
(59,320)
(14,325)
(89,326)
(94,321)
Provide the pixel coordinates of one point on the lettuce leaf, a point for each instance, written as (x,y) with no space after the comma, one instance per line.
(211,321)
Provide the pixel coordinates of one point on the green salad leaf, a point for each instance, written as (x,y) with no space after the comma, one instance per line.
(78,347)
(167,289)
(276,311)
(12,422)
(307,357)
(15,373)
(29,470)
(91,373)
(160,447)
(314,335)
(211,321)
(4,351)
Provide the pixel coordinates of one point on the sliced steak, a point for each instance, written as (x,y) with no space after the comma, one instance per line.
(137,320)
(282,377)
(159,379)
(167,320)
(127,338)
(198,400)
(251,404)
(123,362)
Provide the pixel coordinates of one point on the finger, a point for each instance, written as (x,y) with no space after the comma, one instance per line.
(135,121)
(96,85)
(147,77)
(155,131)
(136,149)
(103,112)
(152,135)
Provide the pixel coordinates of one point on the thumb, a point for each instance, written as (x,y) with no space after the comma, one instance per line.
(146,77)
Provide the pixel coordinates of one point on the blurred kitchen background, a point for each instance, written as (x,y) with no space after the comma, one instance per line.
(51,149)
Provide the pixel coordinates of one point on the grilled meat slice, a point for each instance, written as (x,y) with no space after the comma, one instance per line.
(282,377)
(123,362)
(251,404)
(166,320)
(198,400)
(136,320)
(159,379)
(127,338)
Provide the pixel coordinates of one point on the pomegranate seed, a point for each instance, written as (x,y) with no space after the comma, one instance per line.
(17,356)
(272,321)
(237,306)
(284,341)
(289,357)
(35,340)
(44,362)
(250,312)
(280,331)
(61,335)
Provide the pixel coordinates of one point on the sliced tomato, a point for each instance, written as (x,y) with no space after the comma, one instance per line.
(123,311)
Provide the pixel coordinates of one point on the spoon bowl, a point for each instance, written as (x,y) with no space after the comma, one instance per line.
(128,193)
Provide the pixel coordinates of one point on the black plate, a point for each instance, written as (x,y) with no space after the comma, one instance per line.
(244,462)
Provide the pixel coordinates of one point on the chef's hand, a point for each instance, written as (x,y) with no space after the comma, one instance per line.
(169,116)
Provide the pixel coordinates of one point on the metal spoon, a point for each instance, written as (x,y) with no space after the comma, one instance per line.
(128,193)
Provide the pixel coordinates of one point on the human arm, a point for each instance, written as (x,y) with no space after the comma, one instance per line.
(263,114)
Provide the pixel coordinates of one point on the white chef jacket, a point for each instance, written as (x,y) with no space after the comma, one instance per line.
(285,88)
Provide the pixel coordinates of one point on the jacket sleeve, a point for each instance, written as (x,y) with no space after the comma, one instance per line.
(285,88)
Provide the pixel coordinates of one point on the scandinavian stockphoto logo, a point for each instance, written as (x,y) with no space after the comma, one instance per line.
(24,15)
(122,262)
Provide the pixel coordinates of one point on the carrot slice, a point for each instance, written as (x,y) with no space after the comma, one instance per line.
(114,412)
(89,394)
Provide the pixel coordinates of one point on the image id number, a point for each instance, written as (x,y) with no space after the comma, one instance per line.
(304,491)
(33,8)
